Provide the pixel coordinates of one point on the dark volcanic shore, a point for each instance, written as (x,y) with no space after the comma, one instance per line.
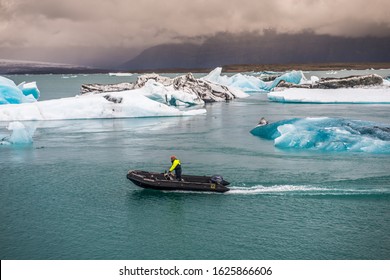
(305,67)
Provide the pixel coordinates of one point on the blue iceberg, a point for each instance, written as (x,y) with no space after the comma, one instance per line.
(251,84)
(327,134)
(12,94)
(293,77)
(21,134)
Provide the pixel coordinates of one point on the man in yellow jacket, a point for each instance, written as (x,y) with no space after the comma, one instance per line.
(175,166)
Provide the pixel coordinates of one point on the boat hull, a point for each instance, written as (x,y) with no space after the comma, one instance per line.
(157,181)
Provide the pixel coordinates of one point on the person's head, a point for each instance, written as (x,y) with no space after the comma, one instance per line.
(173,158)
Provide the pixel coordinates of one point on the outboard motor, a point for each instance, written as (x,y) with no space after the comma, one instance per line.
(217,179)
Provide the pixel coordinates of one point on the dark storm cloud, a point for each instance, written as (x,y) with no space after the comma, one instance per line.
(137,24)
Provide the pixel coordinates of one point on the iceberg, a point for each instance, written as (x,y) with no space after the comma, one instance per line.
(245,83)
(327,134)
(120,74)
(376,95)
(20,134)
(184,90)
(30,90)
(158,92)
(99,88)
(251,84)
(155,89)
(153,99)
(293,77)
(333,83)
(12,94)
(268,76)
(125,104)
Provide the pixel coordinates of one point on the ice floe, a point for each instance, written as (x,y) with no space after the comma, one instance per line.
(252,84)
(353,89)
(20,134)
(199,90)
(327,134)
(104,105)
(333,83)
(10,93)
(340,95)
(121,74)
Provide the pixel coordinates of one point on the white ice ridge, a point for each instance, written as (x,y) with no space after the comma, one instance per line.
(124,104)
(120,74)
(340,95)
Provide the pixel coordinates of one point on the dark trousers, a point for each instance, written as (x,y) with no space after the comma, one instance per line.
(178,172)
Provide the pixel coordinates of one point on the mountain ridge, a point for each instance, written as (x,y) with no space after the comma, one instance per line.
(11,66)
(271,48)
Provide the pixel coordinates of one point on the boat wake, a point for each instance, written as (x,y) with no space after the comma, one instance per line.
(297,190)
(305,190)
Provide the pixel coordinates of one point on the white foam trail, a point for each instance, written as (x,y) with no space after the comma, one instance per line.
(298,190)
(302,190)
(273,189)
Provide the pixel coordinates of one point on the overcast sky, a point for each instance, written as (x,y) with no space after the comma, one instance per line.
(49,29)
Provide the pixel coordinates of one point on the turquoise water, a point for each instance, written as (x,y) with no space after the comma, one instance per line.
(66,196)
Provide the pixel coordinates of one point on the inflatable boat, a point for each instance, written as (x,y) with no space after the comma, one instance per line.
(163,181)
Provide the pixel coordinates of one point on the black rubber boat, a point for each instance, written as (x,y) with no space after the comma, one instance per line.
(160,181)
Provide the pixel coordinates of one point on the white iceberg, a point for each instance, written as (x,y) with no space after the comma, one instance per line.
(169,95)
(184,90)
(121,74)
(340,95)
(123,104)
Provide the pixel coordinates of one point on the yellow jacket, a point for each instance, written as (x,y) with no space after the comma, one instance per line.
(175,163)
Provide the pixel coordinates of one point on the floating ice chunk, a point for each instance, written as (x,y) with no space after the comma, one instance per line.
(215,76)
(20,134)
(6,82)
(267,76)
(327,134)
(158,92)
(314,80)
(30,89)
(251,84)
(12,94)
(362,81)
(341,95)
(121,74)
(9,92)
(293,77)
(243,82)
(247,83)
(184,90)
(123,104)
